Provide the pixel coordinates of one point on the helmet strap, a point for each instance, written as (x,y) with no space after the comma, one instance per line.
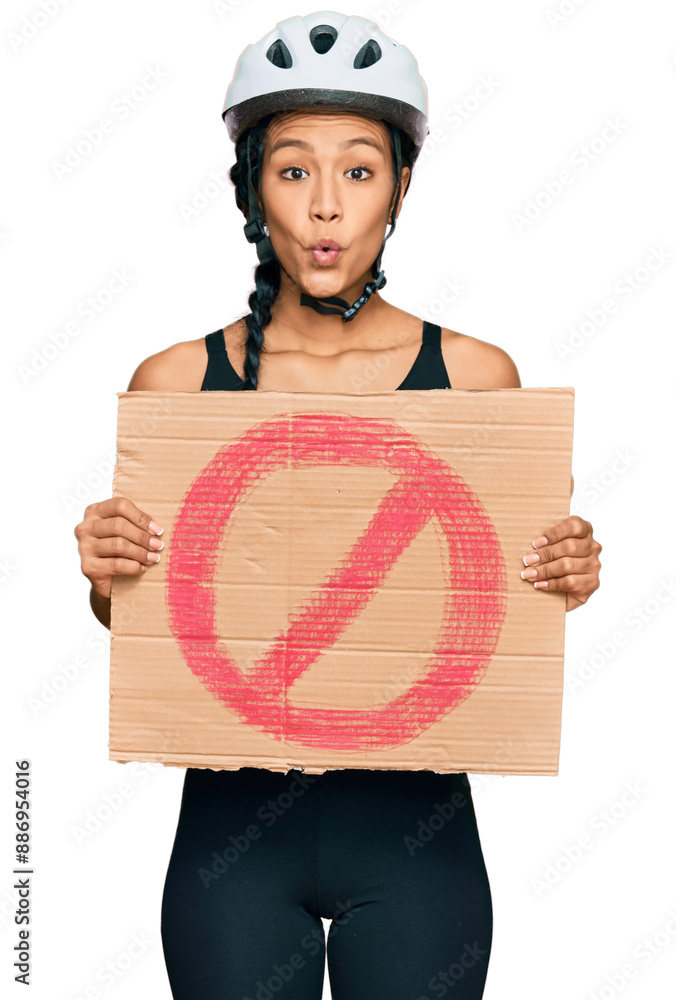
(254,229)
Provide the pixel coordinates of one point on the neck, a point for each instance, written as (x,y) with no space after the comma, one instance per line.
(304,329)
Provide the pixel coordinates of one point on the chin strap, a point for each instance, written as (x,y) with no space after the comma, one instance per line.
(256,232)
(346,310)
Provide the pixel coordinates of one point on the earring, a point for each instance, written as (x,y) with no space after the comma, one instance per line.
(265,227)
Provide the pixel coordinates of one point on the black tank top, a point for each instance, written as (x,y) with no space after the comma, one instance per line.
(428,371)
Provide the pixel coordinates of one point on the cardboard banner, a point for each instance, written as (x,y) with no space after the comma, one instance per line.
(340,584)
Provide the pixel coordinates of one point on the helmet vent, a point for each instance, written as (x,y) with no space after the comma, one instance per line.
(368,54)
(322,37)
(279,55)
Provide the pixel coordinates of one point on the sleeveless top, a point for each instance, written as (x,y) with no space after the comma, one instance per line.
(428,371)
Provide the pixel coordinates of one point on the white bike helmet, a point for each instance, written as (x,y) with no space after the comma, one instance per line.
(327,60)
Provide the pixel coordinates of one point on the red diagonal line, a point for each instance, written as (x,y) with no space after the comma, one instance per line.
(400,516)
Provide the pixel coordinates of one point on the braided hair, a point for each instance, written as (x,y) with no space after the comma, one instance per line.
(267,276)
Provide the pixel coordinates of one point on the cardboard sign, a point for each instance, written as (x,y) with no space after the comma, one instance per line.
(340,584)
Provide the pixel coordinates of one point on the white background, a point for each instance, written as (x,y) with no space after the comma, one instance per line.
(563,929)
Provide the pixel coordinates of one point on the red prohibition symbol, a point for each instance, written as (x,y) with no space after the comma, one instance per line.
(424,487)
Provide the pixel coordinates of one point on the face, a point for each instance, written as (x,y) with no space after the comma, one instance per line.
(328,175)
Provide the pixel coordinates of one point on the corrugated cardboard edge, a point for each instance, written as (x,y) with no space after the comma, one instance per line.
(262,763)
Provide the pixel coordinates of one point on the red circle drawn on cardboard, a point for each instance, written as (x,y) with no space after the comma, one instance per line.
(424,487)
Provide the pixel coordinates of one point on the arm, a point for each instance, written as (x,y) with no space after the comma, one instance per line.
(100,606)
(115,537)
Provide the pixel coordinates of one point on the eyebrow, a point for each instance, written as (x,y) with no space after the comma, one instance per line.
(346,144)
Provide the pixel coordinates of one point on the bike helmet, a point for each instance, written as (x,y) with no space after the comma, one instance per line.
(327,60)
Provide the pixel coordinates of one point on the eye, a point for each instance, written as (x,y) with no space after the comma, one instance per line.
(350,171)
(293,168)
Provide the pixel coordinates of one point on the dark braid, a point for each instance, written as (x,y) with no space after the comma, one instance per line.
(267,276)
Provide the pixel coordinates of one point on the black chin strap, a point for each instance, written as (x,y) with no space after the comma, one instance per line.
(255,232)
(309,300)
(346,310)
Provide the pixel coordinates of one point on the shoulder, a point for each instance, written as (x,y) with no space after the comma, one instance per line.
(179,368)
(475,364)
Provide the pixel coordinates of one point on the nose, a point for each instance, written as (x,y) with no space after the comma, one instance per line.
(325,202)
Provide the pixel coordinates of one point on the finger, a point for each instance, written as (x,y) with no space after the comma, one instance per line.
(119,525)
(100,572)
(124,507)
(580,586)
(565,566)
(568,546)
(574,526)
(116,546)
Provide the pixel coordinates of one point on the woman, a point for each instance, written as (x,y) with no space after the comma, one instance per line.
(328,116)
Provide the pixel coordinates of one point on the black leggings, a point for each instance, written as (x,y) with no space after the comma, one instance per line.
(392,858)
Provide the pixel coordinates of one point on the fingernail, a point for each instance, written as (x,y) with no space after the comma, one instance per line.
(156,528)
(530,560)
(155,543)
(529,574)
(153,557)
(540,542)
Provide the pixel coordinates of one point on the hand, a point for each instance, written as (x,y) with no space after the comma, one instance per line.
(115,538)
(567,559)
